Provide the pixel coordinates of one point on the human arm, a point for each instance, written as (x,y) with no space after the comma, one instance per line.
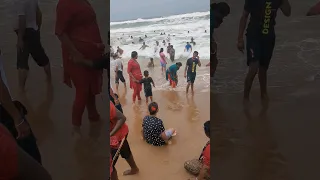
(199,62)
(286,8)
(116,100)
(129,70)
(121,119)
(39,17)
(21,125)
(185,69)
(152,82)
(242,25)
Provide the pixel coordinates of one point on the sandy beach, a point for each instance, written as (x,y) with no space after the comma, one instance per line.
(177,110)
(279,142)
(50,109)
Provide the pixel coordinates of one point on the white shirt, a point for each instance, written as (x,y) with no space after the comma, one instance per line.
(116,63)
(27,8)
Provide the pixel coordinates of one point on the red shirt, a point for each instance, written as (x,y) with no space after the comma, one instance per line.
(206,156)
(8,155)
(121,133)
(134,69)
(77,20)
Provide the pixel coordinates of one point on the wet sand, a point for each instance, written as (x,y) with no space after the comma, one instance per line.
(50,109)
(279,142)
(184,113)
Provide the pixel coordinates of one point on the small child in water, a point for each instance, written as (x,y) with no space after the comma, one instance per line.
(151,64)
(147,81)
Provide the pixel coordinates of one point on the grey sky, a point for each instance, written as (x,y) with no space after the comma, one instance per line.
(133,9)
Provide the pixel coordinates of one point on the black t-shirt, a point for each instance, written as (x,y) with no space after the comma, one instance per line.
(192,65)
(262,16)
(147,83)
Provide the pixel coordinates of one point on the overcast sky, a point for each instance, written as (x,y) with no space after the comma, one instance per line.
(121,10)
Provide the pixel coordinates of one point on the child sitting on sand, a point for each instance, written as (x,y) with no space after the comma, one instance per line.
(151,64)
(153,131)
(147,81)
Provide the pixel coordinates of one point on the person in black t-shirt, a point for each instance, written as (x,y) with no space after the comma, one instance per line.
(147,81)
(260,39)
(190,70)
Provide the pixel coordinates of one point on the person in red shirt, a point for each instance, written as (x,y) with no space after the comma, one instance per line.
(201,167)
(135,75)
(13,161)
(78,31)
(119,132)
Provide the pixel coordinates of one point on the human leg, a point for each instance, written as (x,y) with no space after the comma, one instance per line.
(127,155)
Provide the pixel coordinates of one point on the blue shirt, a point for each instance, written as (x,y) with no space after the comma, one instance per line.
(188,46)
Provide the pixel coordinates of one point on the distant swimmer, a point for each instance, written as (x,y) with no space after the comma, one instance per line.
(145,36)
(140,39)
(161,34)
(151,63)
(172,53)
(188,31)
(156,48)
(168,48)
(119,50)
(131,37)
(192,41)
(168,38)
(205,31)
(143,46)
(164,42)
(188,47)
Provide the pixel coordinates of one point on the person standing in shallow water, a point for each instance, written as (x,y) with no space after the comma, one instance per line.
(27,27)
(260,39)
(190,71)
(79,34)
(135,76)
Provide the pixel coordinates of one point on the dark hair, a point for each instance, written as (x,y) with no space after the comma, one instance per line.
(153,108)
(171,46)
(134,54)
(161,50)
(151,59)
(206,127)
(179,64)
(146,73)
(222,7)
(196,52)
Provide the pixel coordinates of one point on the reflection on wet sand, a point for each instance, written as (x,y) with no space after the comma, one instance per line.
(267,161)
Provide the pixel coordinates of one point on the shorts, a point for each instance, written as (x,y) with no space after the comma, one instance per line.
(33,46)
(148,92)
(191,77)
(120,77)
(125,152)
(260,49)
(163,64)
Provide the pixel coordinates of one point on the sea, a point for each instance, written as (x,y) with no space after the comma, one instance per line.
(178,29)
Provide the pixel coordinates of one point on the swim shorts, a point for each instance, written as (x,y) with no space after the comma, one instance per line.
(119,77)
(148,92)
(163,64)
(33,47)
(260,49)
(191,77)
(125,152)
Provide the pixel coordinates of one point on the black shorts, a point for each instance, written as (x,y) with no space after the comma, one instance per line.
(148,92)
(33,46)
(172,58)
(125,152)
(260,49)
(120,77)
(191,77)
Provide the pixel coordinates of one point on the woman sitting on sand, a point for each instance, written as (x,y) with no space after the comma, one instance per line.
(153,131)
(171,74)
(201,167)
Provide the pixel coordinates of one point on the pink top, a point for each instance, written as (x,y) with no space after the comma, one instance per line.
(163,58)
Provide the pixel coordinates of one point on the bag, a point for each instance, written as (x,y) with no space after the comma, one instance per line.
(193,166)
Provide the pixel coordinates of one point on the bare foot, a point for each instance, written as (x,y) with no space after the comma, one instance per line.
(131,172)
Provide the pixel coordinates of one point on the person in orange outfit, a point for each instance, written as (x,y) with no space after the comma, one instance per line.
(119,132)
(135,75)
(78,31)
(171,74)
